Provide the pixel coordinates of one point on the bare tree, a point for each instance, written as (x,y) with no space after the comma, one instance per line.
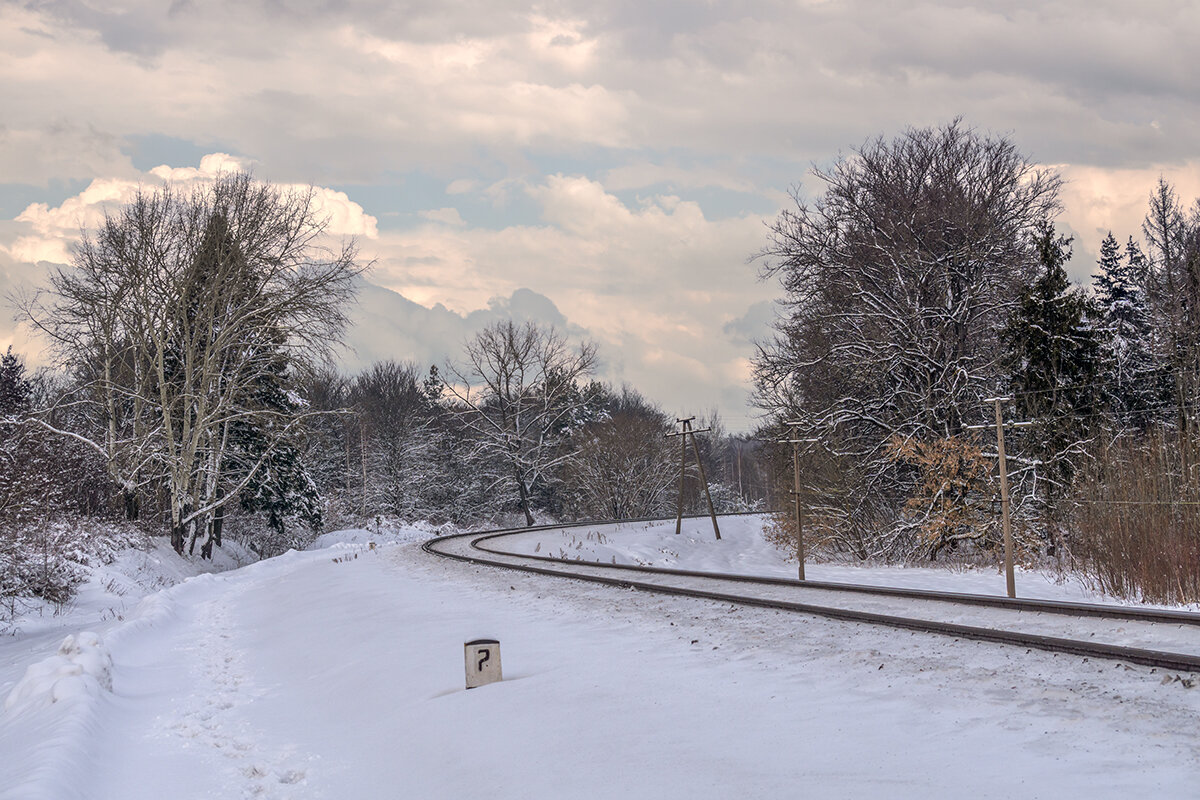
(897,282)
(398,441)
(1173,280)
(624,467)
(184,312)
(518,392)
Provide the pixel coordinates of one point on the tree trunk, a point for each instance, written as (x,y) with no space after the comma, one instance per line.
(129,499)
(523,490)
(212,533)
(218,521)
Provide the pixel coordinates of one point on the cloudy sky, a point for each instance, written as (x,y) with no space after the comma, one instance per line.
(604,166)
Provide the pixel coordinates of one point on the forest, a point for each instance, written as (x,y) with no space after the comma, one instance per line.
(192,387)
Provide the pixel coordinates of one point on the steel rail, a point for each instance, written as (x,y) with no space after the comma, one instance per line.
(1064,607)
(1180,662)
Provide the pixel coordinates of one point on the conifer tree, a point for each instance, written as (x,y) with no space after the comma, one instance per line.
(278,483)
(1055,360)
(1165,229)
(15,388)
(1129,379)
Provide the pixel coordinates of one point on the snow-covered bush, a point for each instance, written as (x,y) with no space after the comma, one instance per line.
(47,559)
(81,667)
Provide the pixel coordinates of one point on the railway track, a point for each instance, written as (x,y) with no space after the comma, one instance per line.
(1163,639)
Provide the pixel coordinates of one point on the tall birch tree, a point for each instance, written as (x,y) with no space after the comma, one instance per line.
(181,309)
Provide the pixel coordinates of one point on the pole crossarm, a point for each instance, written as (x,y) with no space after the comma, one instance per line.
(687,432)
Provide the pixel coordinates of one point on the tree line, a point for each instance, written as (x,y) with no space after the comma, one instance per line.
(928,278)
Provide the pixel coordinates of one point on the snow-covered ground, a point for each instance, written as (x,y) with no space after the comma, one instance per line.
(112,592)
(338,673)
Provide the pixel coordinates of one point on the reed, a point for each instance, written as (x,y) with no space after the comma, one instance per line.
(1136,521)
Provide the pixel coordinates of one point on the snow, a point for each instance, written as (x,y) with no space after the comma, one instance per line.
(386,534)
(81,667)
(338,673)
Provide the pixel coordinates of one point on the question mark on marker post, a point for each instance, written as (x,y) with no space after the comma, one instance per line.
(484,655)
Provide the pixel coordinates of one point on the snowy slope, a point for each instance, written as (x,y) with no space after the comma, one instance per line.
(338,673)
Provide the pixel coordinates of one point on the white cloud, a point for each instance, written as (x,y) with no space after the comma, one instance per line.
(211,167)
(486,98)
(461,186)
(43,150)
(643,174)
(562,41)
(49,232)
(346,217)
(664,289)
(1097,200)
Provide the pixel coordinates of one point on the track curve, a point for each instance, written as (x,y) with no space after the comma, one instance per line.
(1095,630)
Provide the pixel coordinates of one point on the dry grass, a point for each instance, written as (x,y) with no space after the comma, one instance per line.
(1136,529)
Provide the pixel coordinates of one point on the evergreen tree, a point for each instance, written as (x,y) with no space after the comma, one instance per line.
(1129,378)
(1165,230)
(20,464)
(281,487)
(15,388)
(1138,267)
(1054,359)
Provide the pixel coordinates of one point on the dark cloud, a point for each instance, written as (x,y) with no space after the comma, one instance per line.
(143,32)
(1074,81)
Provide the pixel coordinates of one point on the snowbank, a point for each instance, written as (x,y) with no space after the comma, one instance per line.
(81,668)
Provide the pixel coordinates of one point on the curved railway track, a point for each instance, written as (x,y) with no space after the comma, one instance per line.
(1121,633)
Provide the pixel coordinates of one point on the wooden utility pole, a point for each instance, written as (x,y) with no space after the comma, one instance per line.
(687,424)
(796,441)
(684,433)
(1009,577)
(712,512)
(1005,517)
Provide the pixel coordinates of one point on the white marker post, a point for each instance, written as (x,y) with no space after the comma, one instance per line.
(483,662)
